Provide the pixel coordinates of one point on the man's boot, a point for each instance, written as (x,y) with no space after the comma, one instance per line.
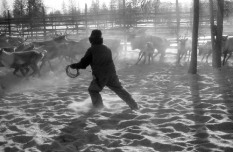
(96,99)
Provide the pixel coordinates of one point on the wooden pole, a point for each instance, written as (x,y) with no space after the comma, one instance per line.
(218,44)
(9,22)
(21,18)
(212,31)
(86,19)
(125,41)
(76,22)
(177,29)
(44,22)
(193,63)
(30,18)
(52,19)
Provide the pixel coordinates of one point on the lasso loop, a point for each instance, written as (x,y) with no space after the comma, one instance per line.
(71,75)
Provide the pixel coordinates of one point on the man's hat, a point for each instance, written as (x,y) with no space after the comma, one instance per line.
(96,34)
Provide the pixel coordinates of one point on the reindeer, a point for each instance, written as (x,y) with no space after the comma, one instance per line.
(147,53)
(184,47)
(22,61)
(53,42)
(4,42)
(205,50)
(52,52)
(54,48)
(138,41)
(115,46)
(76,48)
(20,47)
(24,47)
(9,41)
(227,48)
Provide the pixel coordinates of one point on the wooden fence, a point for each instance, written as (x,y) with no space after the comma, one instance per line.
(78,26)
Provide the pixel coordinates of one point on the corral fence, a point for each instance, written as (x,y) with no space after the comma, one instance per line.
(78,26)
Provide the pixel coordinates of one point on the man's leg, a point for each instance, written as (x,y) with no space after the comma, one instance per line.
(94,91)
(115,85)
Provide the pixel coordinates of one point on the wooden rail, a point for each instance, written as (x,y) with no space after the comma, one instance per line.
(78,26)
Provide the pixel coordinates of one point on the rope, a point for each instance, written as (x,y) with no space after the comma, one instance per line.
(71,75)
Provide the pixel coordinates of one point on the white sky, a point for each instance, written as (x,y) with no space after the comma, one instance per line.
(57,4)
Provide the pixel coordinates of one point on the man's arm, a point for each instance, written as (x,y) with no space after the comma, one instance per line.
(84,62)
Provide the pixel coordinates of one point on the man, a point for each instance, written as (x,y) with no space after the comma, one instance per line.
(99,57)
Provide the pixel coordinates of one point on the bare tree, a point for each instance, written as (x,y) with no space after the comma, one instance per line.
(104,8)
(34,8)
(64,8)
(4,8)
(178,29)
(95,6)
(113,6)
(72,6)
(216,30)
(193,63)
(19,8)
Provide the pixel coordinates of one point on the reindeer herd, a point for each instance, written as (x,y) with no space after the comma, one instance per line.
(147,44)
(23,57)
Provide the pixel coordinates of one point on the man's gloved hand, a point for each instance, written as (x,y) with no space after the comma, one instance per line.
(73,66)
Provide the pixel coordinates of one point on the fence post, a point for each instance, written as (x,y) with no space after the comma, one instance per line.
(86,19)
(191,17)
(44,24)
(22,26)
(177,29)
(30,19)
(125,41)
(97,18)
(52,20)
(21,20)
(9,23)
(77,15)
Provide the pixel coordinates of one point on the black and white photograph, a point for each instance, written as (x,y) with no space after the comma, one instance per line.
(116,76)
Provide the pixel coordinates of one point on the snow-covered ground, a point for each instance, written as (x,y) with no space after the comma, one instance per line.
(179,111)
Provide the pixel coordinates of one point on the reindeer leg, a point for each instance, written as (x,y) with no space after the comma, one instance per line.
(27,69)
(15,72)
(145,57)
(149,58)
(185,56)
(35,70)
(207,58)
(142,55)
(178,57)
(155,54)
(181,56)
(22,72)
(50,65)
(224,58)
(202,58)
(189,55)
(42,64)
(139,57)
(152,57)
(117,54)
(162,55)
(229,56)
